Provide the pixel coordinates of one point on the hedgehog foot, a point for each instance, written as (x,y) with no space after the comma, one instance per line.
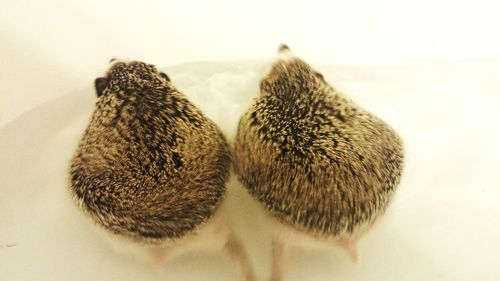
(159,255)
(277,262)
(238,254)
(350,246)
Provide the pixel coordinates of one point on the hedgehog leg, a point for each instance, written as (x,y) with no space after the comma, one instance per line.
(350,245)
(277,262)
(237,252)
(158,255)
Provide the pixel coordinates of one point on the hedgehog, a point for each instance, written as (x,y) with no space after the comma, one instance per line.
(151,169)
(323,168)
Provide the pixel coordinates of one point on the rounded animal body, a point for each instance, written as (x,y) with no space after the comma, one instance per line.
(315,159)
(150,166)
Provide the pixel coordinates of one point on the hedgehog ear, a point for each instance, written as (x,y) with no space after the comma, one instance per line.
(100,84)
(165,76)
(320,76)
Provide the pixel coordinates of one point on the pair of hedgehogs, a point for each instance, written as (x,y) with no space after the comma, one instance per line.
(152,169)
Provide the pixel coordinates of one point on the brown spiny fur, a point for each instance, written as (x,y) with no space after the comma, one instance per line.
(315,159)
(150,165)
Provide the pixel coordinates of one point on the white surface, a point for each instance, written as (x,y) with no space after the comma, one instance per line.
(53,47)
(443,223)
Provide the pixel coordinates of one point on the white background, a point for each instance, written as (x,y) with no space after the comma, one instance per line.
(49,48)
(431,69)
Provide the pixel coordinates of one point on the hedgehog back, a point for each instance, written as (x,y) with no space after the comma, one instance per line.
(320,162)
(150,165)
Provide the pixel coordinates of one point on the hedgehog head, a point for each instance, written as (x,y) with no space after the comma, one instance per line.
(290,77)
(130,76)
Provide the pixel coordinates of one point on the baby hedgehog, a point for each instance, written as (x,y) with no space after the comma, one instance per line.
(322,166)
(150,167)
